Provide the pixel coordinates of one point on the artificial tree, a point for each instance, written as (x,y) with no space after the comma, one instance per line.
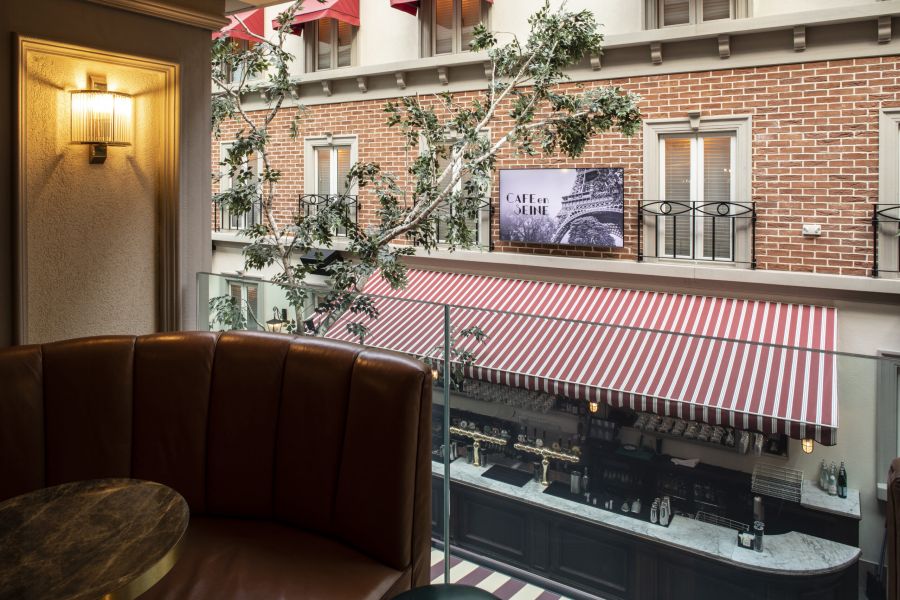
(527,107)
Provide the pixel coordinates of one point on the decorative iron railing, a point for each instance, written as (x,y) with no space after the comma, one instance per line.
(308,204)
(483,225)
(885,224)
(224,220)
(699,231)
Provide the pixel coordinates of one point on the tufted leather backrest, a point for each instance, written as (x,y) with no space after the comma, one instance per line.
(326,436)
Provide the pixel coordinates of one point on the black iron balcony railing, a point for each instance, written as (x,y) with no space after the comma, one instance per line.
(308,204)
(224,220)
(885,224)
(699,231)
(482,225)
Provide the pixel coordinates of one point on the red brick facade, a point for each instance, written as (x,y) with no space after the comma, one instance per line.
(814,152)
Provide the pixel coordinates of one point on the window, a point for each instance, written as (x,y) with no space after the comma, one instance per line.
(697,202)
(888,208)
(235,75)
(224,219)
(478,224)
(246,296)
(666,13)
(328,161)
(330,44)
(696,170)
(448,26)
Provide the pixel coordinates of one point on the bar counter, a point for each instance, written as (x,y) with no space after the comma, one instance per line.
(790,562)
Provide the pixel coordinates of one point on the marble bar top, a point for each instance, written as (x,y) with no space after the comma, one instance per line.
(793,554)
(814,497)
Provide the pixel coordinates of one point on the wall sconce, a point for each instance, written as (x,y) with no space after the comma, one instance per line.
(594,406)
(807,444)
(101,118)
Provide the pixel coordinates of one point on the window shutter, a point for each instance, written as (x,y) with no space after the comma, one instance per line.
(443,26)
(344,44)
(323,43)
(716,188)
(343,167)
(676,12)
(677,239)
(252,308)
(471,16)
(716,9)
(323,173)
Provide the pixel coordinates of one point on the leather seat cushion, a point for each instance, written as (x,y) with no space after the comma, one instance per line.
(233,559)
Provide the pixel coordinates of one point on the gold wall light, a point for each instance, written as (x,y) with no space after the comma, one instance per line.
(807,444)
(101,118)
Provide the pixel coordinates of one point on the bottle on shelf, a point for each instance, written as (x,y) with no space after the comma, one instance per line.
(832,480)
(842,482)
(823,476)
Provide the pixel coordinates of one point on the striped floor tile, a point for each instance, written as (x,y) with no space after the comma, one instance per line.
(502,586)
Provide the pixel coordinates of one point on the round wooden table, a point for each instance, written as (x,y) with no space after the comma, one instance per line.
(109,539)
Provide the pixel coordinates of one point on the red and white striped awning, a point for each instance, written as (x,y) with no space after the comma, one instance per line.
(764,366)
(412,6)
(254,21)
(313,10)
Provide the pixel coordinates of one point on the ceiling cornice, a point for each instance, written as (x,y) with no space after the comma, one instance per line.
(170,12)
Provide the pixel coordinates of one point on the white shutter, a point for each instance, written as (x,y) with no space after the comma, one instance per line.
(676,12)
(716,9)
(716,188)
(677,229)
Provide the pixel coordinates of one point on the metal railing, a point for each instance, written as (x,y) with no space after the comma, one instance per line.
(224,220)
(706,221)
(883,216)
(483,235)
(308,204)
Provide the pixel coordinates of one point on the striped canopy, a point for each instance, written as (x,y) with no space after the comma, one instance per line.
(764,366)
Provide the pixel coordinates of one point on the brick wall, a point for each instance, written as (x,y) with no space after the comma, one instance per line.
(814,145)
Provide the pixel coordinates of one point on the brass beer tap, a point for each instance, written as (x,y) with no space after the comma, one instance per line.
(478,437)
(547,454)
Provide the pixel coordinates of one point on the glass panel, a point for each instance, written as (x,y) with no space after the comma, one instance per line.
(343,167)
(716,188)
(471,16)
(716,9)
(443,26)
(323,170)
(345,43)
(253,319)
(677,230)
(676,12)
(324,30)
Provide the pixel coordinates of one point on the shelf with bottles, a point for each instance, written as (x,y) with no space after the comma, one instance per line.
(726,439)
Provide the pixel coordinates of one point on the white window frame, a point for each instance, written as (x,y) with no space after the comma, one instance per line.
(311,49)
(225,184)
(887,418)
(252,323)
(311,162)
(696,190)
(428,27)
(740,127)
(889,190)
(483,220)
(653,13)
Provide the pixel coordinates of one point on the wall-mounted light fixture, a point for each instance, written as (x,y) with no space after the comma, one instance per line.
(807,444)
(101,118)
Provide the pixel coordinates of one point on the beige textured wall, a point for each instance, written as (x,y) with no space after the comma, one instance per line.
(106,28)
(91,230)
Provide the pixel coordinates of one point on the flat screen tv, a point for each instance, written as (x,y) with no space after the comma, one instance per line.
(583,207)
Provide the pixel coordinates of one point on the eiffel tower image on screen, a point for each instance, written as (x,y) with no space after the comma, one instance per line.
(592,213)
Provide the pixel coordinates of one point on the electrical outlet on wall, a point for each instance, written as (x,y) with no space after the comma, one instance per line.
(812,229)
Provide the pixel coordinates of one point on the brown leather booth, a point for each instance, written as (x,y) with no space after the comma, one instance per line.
(306,463)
